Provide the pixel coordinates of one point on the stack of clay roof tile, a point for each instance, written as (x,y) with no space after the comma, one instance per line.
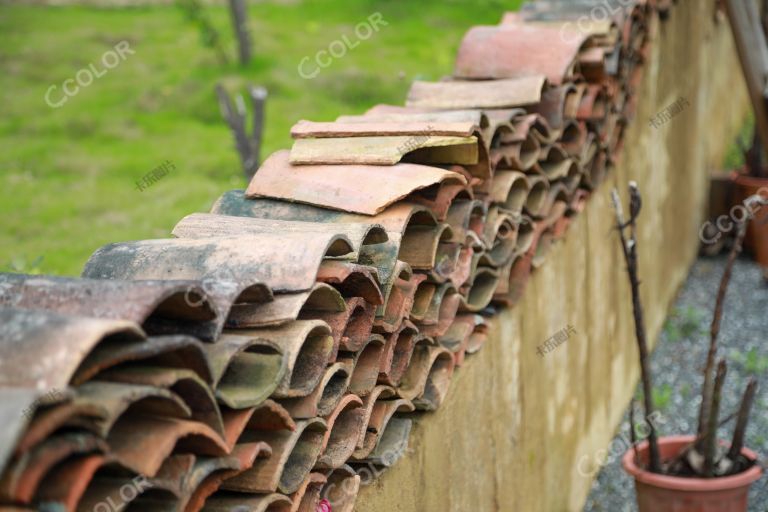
(274,347)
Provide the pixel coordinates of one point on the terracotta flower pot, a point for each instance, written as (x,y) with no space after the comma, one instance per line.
(661,493)
(756,240)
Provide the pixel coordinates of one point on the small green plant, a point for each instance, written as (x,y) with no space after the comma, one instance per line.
(684,324)
(734,155)
(662,395)
(753,362)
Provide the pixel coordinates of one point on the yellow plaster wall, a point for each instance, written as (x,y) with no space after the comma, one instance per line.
(515,426)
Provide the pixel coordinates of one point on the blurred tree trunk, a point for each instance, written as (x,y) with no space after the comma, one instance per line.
(235,114)
(239,10)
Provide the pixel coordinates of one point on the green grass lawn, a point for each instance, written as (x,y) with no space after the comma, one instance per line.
(67,175)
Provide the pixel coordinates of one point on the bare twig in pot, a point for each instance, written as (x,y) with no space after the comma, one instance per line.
(710,435)
(629,246)
(707,387)
(743,418)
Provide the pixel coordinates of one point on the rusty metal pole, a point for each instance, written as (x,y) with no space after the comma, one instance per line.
(753,54)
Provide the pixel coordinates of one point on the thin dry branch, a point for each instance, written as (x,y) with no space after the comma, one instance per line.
(743,418)
(629,246)
(632,434)
(710,437)
(707,387)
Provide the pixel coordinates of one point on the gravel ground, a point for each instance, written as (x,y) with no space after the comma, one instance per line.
(676,365)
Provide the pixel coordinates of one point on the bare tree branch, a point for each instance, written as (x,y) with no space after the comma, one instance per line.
(235,114)
(239,11)
(707,387)
(710,436)
(743,418)
(629,246)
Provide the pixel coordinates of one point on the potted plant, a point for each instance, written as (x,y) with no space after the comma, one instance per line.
(748,25)
(699,472)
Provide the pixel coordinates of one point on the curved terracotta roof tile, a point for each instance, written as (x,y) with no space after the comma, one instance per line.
(510,190)
(142,443)
(407,114)
(226,502)
(293,456)
(246,370)
(398,350)
(339,129)
(554,162)
(556,105)
(16,405)
(457,336)
(195,392)
(525,234)
(421,244)
(425,291)
(513,278)
(32,353)
(464,216)
(339,186)
(341,488)
(67,484)
(456,95)
(428,376)
(488,121)
(158,306)
(23,477)
(349,328)
(521,154)
(365,365)
(382,412)
(270,415)
(399,299)
(359,323)
(479,334)
(575,139)
(352,280)
(181,352)
(392,444)
(306,346)
(178,477)
(595,171)
(206,225)
(592,64)
(479,292)
(438,198)
(595,104)
(326,395)
(388,151)
(534,125)
(441,312)
(286,307)
(555,10)
(536,203)
(572,178)
(499,236)
(543,247)
(112,400)
(344,425)
(400,221)
(307,497)
(505,51)
(243,261)
(51,417)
